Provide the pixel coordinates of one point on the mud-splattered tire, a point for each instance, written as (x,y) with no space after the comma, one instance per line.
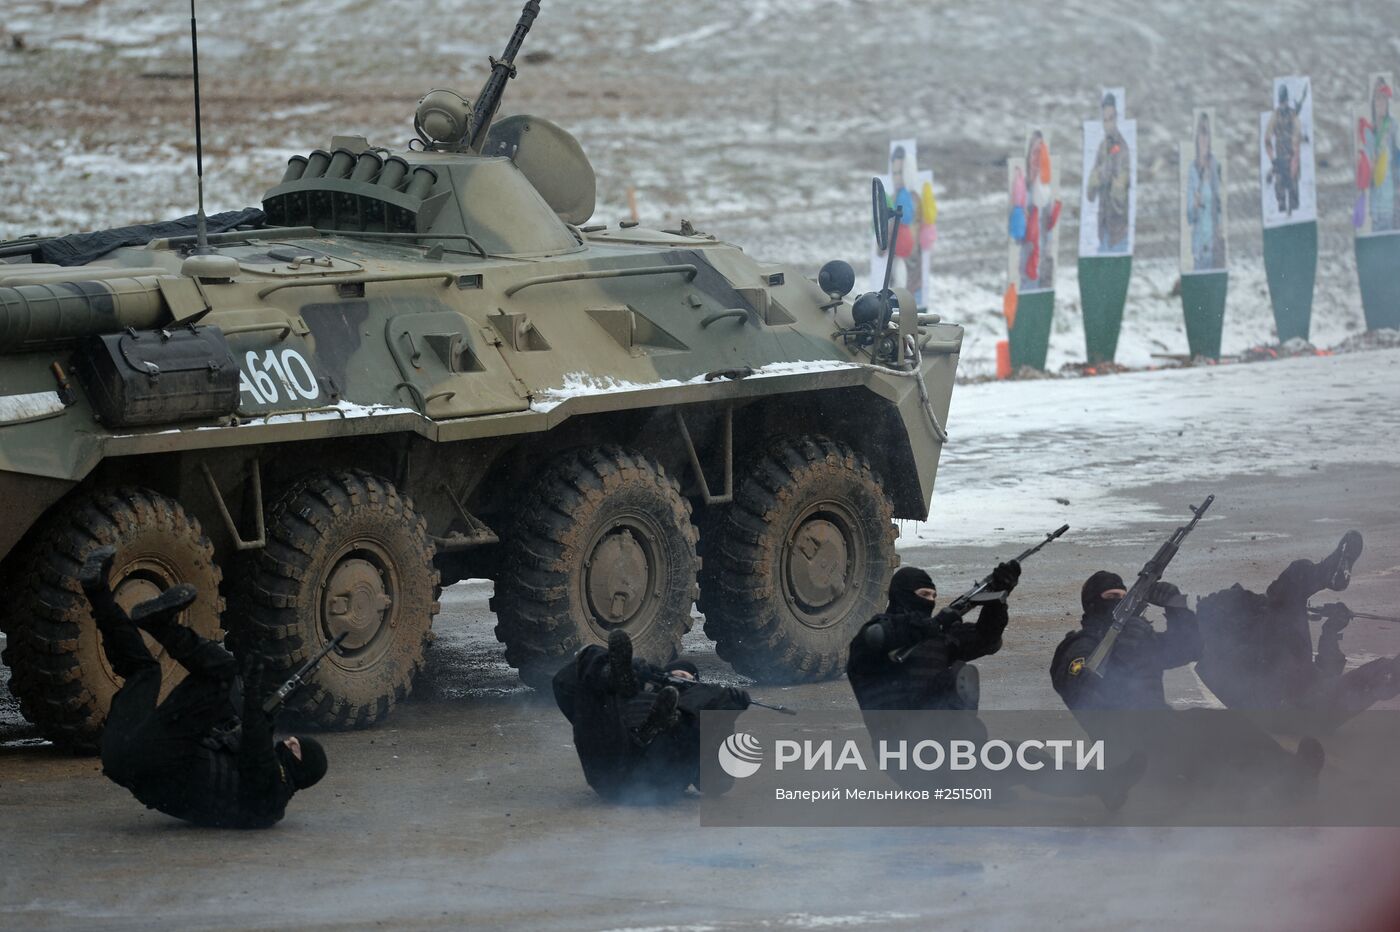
(603,541)
(59,672)
(797,562)
(345,553)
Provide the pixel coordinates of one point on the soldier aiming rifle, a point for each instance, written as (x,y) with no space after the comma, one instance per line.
(637,727)
(1116,660)
(909,658)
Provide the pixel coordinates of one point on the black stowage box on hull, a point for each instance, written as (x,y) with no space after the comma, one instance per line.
(138,378)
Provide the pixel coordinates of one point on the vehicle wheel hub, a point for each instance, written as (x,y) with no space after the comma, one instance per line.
(617,577)
(818,564)
(356,602)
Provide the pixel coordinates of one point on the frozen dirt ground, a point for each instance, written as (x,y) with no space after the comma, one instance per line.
(467,808)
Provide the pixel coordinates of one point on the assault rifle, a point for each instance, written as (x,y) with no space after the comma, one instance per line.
(1340,611)
(964,603)
(667,679)
(294,683)
(1132,604)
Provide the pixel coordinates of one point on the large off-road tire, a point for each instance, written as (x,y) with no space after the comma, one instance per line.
(58,669)
(797,562)
(346,553)
(603,541)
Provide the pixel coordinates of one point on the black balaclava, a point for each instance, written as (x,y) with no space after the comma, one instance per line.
(1094,587)
(310,769)
(903,584)
(684,666)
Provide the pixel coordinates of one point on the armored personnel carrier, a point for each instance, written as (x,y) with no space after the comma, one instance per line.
(412,367)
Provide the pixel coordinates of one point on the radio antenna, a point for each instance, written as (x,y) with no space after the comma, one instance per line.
(201,227)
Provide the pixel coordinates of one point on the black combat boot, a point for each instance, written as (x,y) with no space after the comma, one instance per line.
(663,715)
(621,677)
(157,617)
(95,578)
(1336,569)
(97,568)
(160,612)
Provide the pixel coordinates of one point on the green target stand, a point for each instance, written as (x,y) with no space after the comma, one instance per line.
(1030,337)
(1203,302)
(1103,290)
(1290,264)
(1378,268)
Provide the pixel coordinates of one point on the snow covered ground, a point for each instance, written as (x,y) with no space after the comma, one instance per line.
(761,122)
(1016,449)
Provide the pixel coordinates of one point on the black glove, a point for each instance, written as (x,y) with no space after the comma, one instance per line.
(1165,595)
(1336,616)
(737,697)
(946,618)
(649,672)
(1137,633)
(1005,576)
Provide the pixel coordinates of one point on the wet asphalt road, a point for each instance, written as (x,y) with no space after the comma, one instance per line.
(468,807)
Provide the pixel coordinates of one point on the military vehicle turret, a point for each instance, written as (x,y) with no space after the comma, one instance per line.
(421,365)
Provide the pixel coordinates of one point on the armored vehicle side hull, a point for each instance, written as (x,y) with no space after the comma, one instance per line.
(418,368)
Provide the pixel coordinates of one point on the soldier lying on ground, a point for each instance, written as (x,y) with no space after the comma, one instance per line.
(1259,648)
(1133,680)
(192,756)
(637,727)
(908,658)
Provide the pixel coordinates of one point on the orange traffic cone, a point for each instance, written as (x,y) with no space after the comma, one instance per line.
(1003,359)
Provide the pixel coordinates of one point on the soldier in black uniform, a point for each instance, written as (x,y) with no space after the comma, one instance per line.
(1259,647)
(1191,754)
(637,727)
(909,658)
(193,756)
(1133,677)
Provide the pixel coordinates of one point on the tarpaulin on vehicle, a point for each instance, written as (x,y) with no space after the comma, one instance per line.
(82,248)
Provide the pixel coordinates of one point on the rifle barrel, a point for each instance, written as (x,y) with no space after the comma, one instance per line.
(1032,551)
(292,683)
(1133,602)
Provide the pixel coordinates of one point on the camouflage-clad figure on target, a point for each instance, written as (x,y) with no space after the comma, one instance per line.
(1283,143)
(1110,180)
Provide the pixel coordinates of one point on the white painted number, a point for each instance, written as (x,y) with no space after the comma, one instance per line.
(292,371)
(300,375)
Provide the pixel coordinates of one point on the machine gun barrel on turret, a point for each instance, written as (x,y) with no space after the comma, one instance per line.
(502,70)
